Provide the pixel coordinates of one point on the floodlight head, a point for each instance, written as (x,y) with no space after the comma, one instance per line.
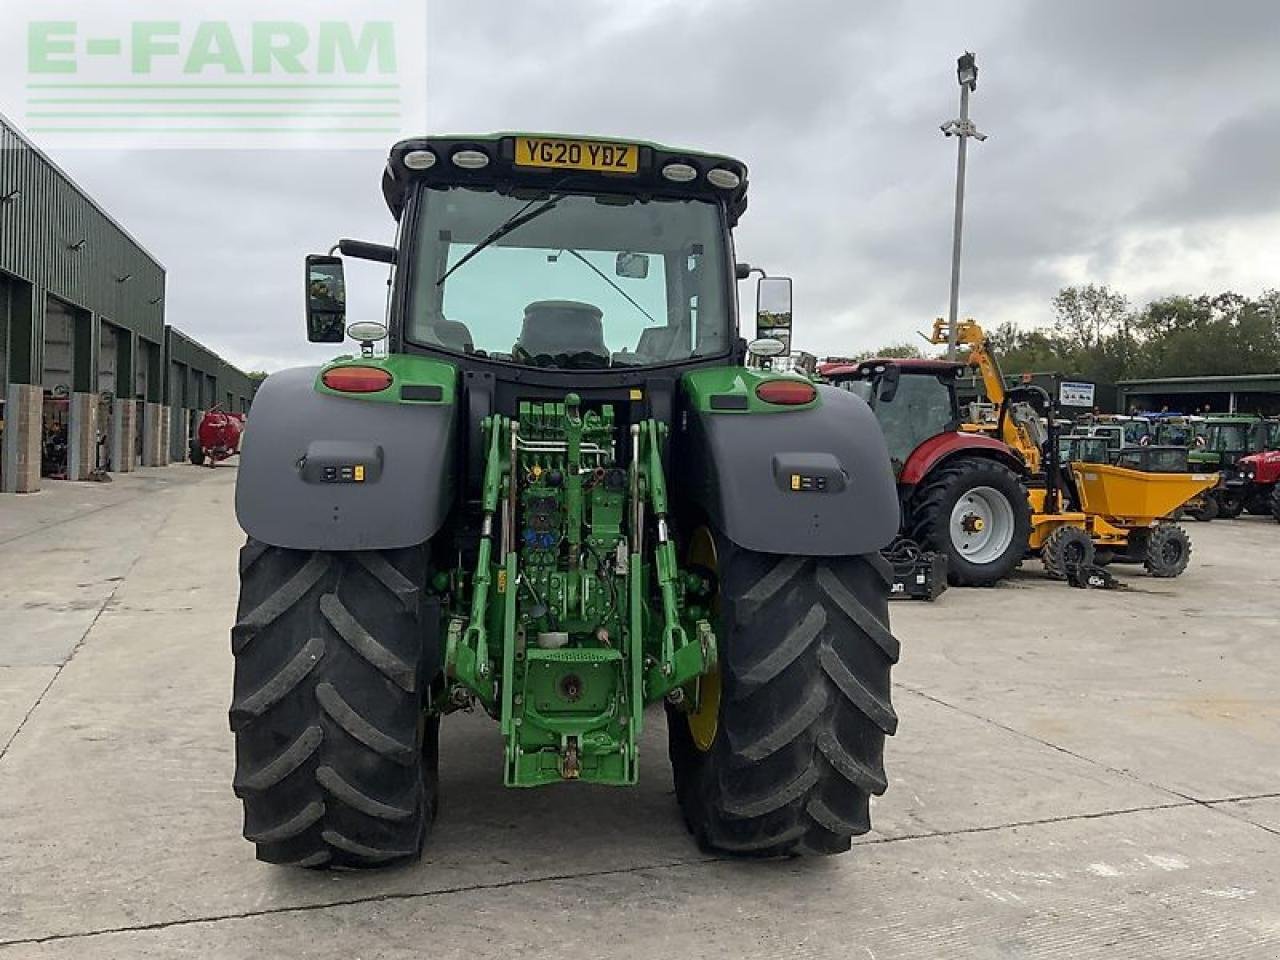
(967,71)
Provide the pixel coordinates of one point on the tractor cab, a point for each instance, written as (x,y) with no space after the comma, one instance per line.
(1273,433)
(1120,432)
(546,261)
(1083,448)
(1177,430)
(1227,438)
(913,400)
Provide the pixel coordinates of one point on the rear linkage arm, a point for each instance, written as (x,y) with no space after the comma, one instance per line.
(680,661)
(467,645)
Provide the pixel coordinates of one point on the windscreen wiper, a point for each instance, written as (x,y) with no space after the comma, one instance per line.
(609,280)
(510,225)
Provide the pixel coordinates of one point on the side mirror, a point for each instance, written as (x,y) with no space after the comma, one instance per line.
(362,249)
(633,266)
(889,381)
(326,299)
(773,310)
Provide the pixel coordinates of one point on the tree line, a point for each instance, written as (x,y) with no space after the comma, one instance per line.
(1095,334)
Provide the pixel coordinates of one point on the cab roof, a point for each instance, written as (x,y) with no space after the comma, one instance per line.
(863,368)
(501,170)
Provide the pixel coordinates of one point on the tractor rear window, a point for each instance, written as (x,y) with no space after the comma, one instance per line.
(1135,431)
(1228,436)
(574,281)
(922,407)
(859,388)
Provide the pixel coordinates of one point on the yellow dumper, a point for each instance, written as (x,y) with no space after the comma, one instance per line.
(1095,511)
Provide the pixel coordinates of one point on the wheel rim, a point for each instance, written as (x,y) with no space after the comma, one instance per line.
(1171,552)
(982,525)
(704,718)
(704,721)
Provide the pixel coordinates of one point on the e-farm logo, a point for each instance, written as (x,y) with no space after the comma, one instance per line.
(318,78)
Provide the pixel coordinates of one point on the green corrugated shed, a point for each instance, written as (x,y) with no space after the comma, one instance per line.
(56,242)
(1244,393)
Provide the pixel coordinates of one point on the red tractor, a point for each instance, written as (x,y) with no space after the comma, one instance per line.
(217,437)
(1256,479)
(961,491)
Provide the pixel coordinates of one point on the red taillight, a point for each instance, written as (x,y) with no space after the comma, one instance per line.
(789,393)
(356,379)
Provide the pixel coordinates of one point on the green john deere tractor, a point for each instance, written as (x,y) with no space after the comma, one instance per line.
(557,485)
(1227,438)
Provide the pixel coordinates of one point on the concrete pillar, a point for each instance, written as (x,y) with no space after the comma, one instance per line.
(82,436)
(152,430)
(124,427)
(184,433)
(23,433)
(163,455)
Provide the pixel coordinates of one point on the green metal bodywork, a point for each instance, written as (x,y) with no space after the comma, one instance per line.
(406,369)
(702,385)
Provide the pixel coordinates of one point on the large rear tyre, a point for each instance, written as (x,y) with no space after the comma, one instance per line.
(1166,551)
(334,651)
(1065,549)
(195,453)
(787,747)
(1275,503)
(977,513)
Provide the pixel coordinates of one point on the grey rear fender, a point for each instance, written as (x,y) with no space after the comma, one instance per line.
(324,472)
(813,482)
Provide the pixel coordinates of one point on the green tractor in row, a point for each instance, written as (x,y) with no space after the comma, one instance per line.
(558,486)
(1227,439)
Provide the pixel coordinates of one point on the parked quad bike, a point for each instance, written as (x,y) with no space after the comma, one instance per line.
(588,499)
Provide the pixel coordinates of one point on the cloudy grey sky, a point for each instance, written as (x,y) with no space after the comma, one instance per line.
(1132,142)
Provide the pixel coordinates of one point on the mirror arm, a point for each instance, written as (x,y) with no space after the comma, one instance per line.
(363,250)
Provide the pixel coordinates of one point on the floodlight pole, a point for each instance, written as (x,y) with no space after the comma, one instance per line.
(962,129)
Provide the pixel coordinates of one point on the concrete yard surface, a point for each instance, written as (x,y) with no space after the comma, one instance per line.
(1076,774)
